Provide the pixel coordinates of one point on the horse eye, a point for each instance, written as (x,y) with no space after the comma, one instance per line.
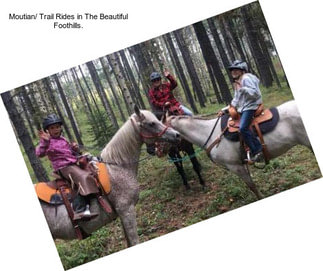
(152,124)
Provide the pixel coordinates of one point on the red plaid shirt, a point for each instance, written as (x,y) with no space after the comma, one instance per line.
(159,96)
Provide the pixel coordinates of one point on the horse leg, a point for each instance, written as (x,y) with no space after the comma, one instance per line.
(179,165)
(197,168)
(195,163)
(243,172)
(129,224)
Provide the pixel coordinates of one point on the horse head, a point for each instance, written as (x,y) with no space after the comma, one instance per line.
(151,129)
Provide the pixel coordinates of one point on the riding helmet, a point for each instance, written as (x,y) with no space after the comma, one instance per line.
(51,119)
(154,76)
(238,64)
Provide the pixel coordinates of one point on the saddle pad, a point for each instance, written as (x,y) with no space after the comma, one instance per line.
(103,176)
(47,193)
(265,127)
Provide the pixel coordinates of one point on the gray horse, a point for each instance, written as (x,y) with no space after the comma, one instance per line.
(289,132)
(121,156)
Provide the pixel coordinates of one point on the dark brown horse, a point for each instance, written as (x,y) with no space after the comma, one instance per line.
(174,151)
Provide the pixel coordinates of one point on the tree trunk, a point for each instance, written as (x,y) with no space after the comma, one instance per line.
(226,38)
(132,79)
(103,97)
(265,75)
(178,66)
(26,112)
(85,101)
(212,62)
(144,69)
(190,67)
(113,89)
(120,78)
(24,137)
(97,113)
(68,110)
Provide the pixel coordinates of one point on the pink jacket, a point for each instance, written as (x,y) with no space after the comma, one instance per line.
(58,150)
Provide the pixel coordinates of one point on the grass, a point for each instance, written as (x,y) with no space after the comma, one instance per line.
(165,205)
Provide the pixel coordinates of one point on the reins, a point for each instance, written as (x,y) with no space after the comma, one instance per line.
(216,123)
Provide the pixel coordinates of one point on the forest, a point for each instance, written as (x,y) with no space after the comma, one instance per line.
(95,98)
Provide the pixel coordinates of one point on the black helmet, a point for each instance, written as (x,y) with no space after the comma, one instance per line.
(154,76)
(51,119)
(238,64)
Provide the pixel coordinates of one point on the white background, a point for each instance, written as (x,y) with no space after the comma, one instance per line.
(283,232)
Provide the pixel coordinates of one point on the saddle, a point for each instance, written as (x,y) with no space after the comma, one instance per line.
(234,124)
(263,122)
(59,191)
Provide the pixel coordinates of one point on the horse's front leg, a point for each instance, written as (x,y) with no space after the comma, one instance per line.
(244,174)
(177,160)
(129,224)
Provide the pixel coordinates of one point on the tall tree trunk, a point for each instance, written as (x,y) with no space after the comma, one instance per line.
(85,101)
(71,91)
(124,88)
(26,112)
(178,66)
(24,137)
(129,110)
(68,110)
(100,90)
(98,114)
(132,79)
(190,67)
(233,30)
(212,62)
(49,107)
(226,38)
(113,89)
(265,75)
(144,69)
(218,43)
(90,91)
(36,118)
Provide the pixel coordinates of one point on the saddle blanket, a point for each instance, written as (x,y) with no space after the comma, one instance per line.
(265,127)
(48,191)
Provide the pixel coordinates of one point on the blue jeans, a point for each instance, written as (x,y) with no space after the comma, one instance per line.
(186,110)
(248,136)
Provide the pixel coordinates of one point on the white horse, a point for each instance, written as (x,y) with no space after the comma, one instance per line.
(121,155)
(289,132)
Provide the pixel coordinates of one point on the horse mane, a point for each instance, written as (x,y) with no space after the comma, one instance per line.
(122,146)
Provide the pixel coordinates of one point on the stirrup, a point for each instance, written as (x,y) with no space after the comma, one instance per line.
(248,160)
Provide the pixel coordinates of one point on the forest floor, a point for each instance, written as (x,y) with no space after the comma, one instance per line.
(165,205)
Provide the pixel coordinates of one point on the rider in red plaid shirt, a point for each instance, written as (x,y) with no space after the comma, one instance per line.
(161,95)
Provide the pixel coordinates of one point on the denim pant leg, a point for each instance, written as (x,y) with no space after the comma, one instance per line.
(249,138)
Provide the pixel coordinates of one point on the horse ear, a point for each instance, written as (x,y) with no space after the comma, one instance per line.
(136,109)
(138,113)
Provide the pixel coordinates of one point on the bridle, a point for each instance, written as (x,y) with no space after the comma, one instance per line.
(145,136)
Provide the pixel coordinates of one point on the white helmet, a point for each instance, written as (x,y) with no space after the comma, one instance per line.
(238,64)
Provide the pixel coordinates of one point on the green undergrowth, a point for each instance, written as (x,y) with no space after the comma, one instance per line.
(165,205)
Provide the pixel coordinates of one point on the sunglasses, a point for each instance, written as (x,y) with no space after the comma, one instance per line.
(156,80)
